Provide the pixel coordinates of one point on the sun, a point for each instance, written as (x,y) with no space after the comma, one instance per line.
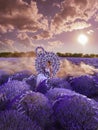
(82,39)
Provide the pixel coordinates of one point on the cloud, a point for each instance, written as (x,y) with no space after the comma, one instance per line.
(69,68)
(56,5)
(3,47)
(7,45)
(90,32)
(20,15)
(77,26)
(22,36)
(43,0)
(54,45)
(26,17)
(24,42)
(5,29)
(96,17)
(66,67)
(50,46)
(44,35)
(11,65)
(9,42)
(71,12)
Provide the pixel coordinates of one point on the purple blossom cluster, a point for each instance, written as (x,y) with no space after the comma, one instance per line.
(56,93)
(12,91)
(37,107)
(61,108)
(13,120)
(20,75)
(4,78)
(14,88)
(58,83)
(75,112)
(86,85)
(31,80)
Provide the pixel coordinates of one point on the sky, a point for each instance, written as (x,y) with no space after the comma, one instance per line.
(52,24)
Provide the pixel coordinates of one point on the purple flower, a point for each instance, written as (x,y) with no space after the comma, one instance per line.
(12,120)
(3,77)
(56,93)
(31,80)
(59,83)
(37,107)
(76,112)
(85,85)
(20,75)
(12,91)
(14,88)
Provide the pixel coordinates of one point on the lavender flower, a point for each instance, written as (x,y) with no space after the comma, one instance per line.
(31,80)
(12,120)
(85,85)
(3,78)
(14,88)
(20,75)
(76,112)
(56,93)
(3,102)
(59,83)
(12,91)
(37,107)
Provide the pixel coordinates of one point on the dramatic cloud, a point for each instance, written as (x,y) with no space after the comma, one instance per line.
(71,12)
(70,26)
(20,15)
(90,32)
(54,45)
(56,5)
(68,68)
(17,14)
(43,0)
(22,36)
(96,17)
(44,35)
(7,45)
(5,29)
(3,47)
(77,25)
(24,42)
(30,22)
(15,65)
(9,42)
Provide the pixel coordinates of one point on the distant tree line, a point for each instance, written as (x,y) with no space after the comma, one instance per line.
(17,54)
(31,54)
(77,55)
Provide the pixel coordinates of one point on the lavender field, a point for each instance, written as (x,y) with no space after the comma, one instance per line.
(69,66)
(71,103)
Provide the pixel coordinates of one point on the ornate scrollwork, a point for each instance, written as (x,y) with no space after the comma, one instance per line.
(43,57)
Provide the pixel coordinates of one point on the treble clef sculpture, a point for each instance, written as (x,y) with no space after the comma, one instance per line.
(43,57)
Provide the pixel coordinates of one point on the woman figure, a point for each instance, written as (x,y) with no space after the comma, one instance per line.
(41,83)
(47,64)
(48,70)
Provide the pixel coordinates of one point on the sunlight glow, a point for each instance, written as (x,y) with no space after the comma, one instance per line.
(82,39)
